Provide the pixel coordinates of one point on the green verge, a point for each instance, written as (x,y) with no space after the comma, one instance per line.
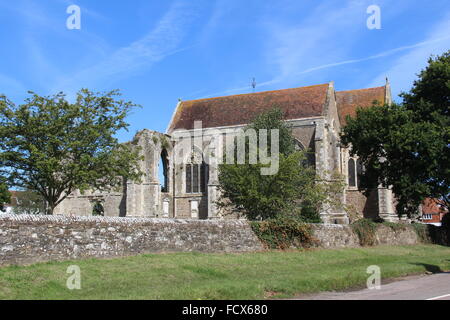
(219,276)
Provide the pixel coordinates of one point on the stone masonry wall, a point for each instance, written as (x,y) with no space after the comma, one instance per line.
(29,239)
(342,236)
(335,236)
(366,207)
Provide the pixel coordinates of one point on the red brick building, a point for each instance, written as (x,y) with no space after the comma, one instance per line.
(432,212)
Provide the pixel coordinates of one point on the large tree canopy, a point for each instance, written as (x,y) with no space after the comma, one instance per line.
(295,190)
(53,147)
(407,145)
(5,195)
(29,202)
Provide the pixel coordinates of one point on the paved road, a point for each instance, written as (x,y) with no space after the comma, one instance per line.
(424,287)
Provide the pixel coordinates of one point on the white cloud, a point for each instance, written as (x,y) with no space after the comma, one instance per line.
(329,34)
(36,24)
(220,10)
(162,41)
(292,49)
(405,68)
(326,34)
(427,44)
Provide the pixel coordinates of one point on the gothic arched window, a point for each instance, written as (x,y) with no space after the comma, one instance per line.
(351,173)
(163,171)
(310,157)
(359,172)
(98,209)
(196,175)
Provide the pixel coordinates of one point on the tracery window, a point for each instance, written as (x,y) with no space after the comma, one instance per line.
(196,174)
(355,172)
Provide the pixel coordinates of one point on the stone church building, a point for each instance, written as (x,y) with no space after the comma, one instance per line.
(189,188)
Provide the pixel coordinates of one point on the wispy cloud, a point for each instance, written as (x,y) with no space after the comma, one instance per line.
(162,41)
(325,34)
(376,56)
(411,61)
(38,25)
(404,68)
(27,12)
(85,10)
(294,51)
(293,47)
(220,11)
(41,67)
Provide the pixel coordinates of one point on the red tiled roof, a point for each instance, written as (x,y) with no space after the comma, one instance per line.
(430,205)
(349,101)
(241,109)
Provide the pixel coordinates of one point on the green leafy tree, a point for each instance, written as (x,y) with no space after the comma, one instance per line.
(29,202)
(53,147)
(295,190)
(5,196)
(407,145)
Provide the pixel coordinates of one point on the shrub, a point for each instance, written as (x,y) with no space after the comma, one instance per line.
(293,189)
(309,214)
(165,143)
(365,230)
(283,233)
(396,226)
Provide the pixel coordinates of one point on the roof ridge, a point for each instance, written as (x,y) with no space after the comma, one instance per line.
(361,89)
(256,93)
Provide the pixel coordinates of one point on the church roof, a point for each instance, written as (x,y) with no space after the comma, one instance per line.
(241,109)
(349,101)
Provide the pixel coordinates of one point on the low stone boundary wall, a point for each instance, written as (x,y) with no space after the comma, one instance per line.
(342,236)
(334,236)
(28,239)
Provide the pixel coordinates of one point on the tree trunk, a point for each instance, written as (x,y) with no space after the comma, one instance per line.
(50,208)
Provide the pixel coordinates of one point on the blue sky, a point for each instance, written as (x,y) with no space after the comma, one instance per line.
(158,51)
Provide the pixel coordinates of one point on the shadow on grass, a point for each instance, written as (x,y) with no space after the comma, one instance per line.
(429,267)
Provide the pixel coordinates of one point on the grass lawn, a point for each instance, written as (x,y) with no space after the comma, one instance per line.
(218,276)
